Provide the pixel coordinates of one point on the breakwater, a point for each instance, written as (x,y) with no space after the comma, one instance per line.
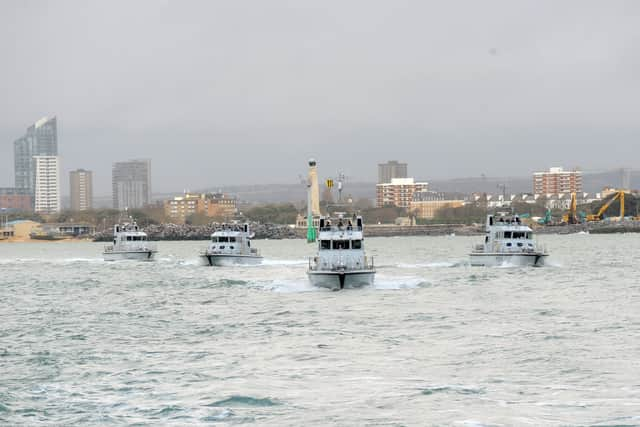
(277,232)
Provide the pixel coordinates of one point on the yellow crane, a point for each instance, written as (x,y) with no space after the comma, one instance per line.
(571,217)
(619,195)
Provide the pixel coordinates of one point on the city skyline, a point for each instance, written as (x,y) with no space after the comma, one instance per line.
(499,91)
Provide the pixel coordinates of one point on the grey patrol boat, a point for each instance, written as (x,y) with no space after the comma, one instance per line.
(341,261)
(508,241)
(231,245)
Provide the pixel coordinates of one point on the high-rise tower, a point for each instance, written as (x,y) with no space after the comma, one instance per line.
(41,139)
(131,184)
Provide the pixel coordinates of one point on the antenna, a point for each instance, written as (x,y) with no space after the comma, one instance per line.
(504,192)
(341,178)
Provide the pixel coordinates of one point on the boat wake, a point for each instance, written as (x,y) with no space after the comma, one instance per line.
(441,264)
(399,282)
(277,262)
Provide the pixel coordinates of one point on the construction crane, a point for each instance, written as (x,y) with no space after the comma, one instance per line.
(619,195)
(547,218)
(571,217)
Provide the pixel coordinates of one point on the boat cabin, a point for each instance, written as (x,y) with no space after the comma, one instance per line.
(508,234)
(340,245)
(232,239)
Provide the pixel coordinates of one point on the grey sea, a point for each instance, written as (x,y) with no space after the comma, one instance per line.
(434,342)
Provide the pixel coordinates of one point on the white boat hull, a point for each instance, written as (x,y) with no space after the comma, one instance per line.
(341,279)
(514,259)
(219,260)
(129,255)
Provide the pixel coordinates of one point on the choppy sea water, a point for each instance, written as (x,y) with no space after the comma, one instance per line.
(434,342)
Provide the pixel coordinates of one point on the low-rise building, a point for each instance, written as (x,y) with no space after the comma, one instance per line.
(426,204)
(181,207)
(214,205)
(220,205)
(399,192)
(16,199)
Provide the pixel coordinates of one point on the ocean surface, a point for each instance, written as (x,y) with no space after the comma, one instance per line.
(434,342)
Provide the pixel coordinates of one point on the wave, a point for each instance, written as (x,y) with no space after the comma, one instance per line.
(389,283)
(284,262)
(440,264)
(452,388)
(240,401)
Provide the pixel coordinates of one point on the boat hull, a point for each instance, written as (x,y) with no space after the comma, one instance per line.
(515,259)
(216,260)
(341,279)
(129,255)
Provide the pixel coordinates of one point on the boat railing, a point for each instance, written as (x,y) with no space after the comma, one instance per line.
(137,247)
(341,228)
(477,247)
(314,264)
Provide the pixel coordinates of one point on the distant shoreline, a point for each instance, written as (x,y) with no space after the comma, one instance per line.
(173,233)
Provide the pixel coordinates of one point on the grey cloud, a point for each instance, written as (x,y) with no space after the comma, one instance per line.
(455,88)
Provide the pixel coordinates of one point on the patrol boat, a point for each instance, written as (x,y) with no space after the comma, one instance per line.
(231,245)
(341,261)
(508,241)
(129,242)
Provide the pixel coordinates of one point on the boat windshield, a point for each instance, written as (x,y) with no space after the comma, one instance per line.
(515,235)
(340,244)
(356,244)
(136,238)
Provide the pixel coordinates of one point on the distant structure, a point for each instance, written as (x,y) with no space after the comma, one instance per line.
(221,205)
(81,191)
(41,139)
(16,199)
(399,192)
(213,205)
(390,170)
(131,182)
(315,189)
(47,184)
(557,181)
(426,204)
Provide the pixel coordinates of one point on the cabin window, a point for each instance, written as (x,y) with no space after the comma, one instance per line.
(230,247)
(518,234)
(325,244)
(340,244)
(223,239)
(128,238)
(486,239)
(507,235)
(232,239)
(222,247)
(529,236)
(509,245)
(356,244)
(520,244)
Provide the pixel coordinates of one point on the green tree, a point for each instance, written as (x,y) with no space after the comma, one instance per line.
(284,213)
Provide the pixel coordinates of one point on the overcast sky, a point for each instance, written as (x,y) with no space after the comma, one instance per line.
(241,92)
